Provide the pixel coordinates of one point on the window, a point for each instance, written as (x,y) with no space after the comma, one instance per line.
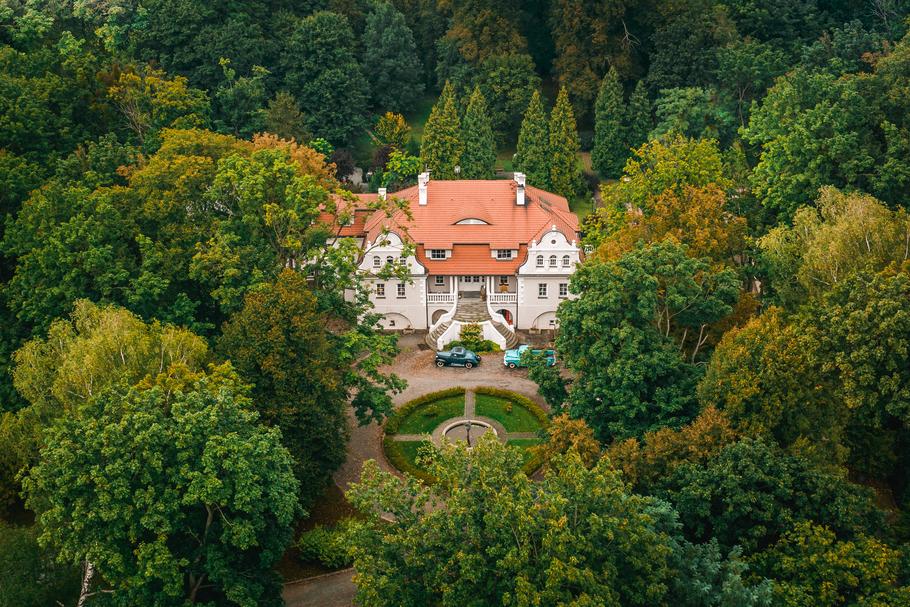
(403,260)
(552,323)
(437,253)
(542,290)
(401,291)
(391,323)
(503,253)
(390,260)
(503,280)
(552,261)
(563,289)
(540,261)
(380,289)
(471,221)
(376,261)
(439,280)
(566,261)
(476,278)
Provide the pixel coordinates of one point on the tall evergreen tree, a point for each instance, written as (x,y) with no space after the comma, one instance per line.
(479,156)
(440,150)
(565,172)
(390,59)
(610,151)
(533,153)
(639,117)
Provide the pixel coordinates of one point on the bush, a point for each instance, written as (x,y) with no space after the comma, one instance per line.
(328,546)
(430,411)
(508,408)
(394,420)
(517,400)
(397,457)
(481,348)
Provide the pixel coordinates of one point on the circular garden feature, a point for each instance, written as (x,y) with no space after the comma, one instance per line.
(459,414)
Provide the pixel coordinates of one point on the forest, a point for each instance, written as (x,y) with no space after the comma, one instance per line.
(182,358)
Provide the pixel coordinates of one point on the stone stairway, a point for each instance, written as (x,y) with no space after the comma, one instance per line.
(472,310)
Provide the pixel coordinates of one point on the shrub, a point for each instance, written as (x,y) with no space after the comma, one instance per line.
(482,348)
(394,420)
(397,457)
(430,411)
(328,546)
(508,408)
(517,400)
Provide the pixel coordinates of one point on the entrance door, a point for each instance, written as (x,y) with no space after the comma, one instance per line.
(507,315)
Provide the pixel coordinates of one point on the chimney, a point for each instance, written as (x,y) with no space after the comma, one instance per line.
(520,190)
(422,181)
(382,193)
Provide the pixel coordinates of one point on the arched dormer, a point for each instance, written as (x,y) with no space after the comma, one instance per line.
(471,221)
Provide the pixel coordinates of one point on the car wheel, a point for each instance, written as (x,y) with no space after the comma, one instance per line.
(440,364)
(468,365)
(511,365)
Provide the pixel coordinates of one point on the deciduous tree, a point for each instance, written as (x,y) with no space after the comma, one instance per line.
(179,497)
(390,59)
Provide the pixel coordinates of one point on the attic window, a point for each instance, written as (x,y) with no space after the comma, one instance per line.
(471,221)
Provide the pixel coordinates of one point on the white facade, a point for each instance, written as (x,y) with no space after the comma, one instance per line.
(526,300)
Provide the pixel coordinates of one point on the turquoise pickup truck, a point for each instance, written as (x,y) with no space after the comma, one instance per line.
(512,358)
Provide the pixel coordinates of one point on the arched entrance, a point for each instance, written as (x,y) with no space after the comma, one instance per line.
(507,315)
(436,316)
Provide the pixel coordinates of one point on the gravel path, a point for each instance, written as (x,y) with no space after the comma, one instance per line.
(331,590)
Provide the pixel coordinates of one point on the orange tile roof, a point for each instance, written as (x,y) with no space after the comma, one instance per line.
(435,225)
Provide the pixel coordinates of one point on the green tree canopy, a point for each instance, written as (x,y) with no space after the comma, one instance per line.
(610,152)
(634,334)
(180,497)
(565,167)
(532,155)
(441,147)
(478,158)
(279,344)
(320,68)
(390,59)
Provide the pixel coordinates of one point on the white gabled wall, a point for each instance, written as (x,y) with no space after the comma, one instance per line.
(534,311)
(410,311)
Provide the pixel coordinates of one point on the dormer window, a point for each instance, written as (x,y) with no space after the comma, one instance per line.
(437,253)
(471,221)
(503,253)
(540,261)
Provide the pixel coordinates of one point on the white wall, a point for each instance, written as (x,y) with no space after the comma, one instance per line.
(409,310)
(535,312)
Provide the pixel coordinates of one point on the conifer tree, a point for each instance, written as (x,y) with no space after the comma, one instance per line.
(478,159)
(610,150)
(440,150)
(533,154)
(639,117)
(390,59)
(565,172)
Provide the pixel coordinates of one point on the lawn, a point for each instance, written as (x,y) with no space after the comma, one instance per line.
(519,420)
(418,117)
(424,419)
(582,206)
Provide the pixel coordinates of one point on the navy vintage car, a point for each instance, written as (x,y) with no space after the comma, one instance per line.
(457,357)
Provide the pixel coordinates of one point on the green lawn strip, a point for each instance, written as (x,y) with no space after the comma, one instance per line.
(403,455)
(527,453)
(494,407)
(425,419)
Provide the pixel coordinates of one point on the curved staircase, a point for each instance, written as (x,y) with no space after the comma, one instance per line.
(472,310)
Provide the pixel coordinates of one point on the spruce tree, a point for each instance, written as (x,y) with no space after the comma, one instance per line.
(610,150)
(478,159)
(440,149)
(533,154)
(565,171)
(639,117)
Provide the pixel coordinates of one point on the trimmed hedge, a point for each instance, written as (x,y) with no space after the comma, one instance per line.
(397,457)
(517,399)
(394,420)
